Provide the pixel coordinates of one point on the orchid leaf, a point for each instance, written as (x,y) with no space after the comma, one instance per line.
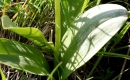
(33,34)
(90,32)
(24,57)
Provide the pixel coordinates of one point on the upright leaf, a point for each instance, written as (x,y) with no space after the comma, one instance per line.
(88,35)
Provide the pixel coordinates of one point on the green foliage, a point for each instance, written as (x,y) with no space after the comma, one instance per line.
(23,56)
(2,75)
(129,14)
(6,2)
(89,34)
(33,34)
(79,35)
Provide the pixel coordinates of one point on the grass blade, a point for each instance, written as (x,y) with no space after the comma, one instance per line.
(51,75)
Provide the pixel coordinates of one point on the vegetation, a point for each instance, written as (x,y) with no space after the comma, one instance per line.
(70,39)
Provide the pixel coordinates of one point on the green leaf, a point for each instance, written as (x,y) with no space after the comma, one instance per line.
(24,57)
(2,75)
(7,2)
(129,14)
(90,32)
(1,4)
(33,34)
(6,22)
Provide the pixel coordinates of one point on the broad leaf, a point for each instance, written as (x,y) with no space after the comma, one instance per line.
(33,34)
(23,57)
(89,34)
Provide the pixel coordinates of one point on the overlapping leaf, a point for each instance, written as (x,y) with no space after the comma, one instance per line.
(88,35)
(33,34)
(23,57)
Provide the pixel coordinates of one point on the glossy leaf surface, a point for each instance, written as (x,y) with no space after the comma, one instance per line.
(90,32)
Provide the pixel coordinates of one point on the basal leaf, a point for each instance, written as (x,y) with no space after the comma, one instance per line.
(90,32)
(33,34)
(23,57)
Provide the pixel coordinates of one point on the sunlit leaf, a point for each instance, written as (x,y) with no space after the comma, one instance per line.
(33,34)
(23,57)
(90,32)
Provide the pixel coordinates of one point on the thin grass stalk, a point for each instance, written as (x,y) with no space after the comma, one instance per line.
(124,64)
(98,2)
(50,77)
(120,36)
(120,48)
(115,78)
(97,62)
(84,5)
(95,65)
(129,14)
(110,54)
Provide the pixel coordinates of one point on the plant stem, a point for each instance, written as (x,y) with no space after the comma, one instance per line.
(124,64)
(129,14)
(57,27)
(54,70)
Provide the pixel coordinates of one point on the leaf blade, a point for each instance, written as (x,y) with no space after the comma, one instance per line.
(23,57)
(88,35)
(33,34)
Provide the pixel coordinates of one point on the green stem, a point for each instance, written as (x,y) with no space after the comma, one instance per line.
(54,70)
(57,28)
(95,65)
(98,2)
(129,14)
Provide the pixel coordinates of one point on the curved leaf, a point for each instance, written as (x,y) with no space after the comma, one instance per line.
(33,34)
(23,57)
(89,34)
